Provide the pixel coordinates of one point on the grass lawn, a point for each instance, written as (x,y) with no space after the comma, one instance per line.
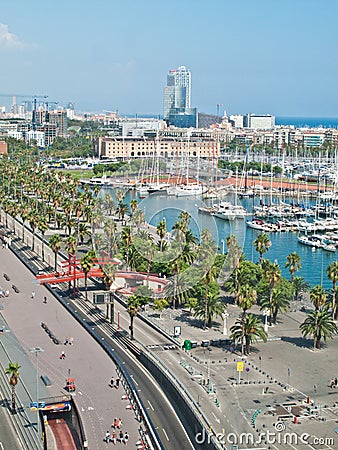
(81,173)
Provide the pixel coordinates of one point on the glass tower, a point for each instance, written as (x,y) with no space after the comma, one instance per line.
(177,98)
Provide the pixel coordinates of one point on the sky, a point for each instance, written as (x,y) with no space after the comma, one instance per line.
(249,56)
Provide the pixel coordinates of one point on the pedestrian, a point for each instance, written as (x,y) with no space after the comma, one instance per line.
(44,299)
(107,436)
(115,423)
(121,436)
(335,382)
(111,384)
(66,341)
(126,438)
(332,383)
(119,423)
(33,294)
(117,383)
(71,341)
(113,437)
(63,355)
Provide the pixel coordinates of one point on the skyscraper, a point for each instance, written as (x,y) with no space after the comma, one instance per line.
(177,110)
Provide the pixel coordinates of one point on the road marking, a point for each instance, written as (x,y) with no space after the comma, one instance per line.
(165,434)
(151,406)
(217,420)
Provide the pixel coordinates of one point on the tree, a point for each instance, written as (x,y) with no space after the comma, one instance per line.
(279,301)
(55,243)
(299,285)
(13,371)
(159,305)
(209,306)
(43,227)
(318,296)
(262,245)
(161,230)
(87,262)
(135,302)
(272,274)
(332,273)
(320,325)
(247,296)
(293,263)
(252,329)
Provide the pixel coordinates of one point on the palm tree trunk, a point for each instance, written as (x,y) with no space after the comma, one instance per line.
(86,275)
(131,327)
(13,400)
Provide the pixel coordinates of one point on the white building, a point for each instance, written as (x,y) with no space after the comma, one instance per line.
(259,122)
(238,120)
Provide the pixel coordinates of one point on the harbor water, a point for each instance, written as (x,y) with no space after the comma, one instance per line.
(159,206)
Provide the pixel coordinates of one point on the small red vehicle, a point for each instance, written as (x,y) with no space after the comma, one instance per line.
(70,385)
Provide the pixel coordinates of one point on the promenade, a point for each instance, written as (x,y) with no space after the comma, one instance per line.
(91,367)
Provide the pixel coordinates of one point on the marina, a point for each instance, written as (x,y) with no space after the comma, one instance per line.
(314,259)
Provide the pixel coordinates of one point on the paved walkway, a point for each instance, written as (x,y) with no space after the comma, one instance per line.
(97,402)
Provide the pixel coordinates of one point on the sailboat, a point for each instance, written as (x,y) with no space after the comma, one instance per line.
(188,188)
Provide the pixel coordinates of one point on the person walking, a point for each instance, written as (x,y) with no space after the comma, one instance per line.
(119,423)
(117,383)
(107,438)
(63,355)
(33,294)
(44,299)
(115,423)
(112,381)
(126,438)
(113,437)
(121,437)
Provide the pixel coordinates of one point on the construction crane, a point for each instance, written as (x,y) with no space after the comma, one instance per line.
(34,97)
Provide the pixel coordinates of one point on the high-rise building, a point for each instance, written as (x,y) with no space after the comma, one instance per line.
(177,110)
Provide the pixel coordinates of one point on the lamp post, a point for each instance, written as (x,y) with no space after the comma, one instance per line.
(266,326)
(225,330)
(223,244)
(37,350)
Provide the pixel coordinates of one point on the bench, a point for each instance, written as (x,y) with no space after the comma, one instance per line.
(46,380)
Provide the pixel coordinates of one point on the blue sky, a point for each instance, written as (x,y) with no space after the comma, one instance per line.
(276,56)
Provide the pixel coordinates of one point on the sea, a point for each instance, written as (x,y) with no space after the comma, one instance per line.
(159,206)
(308,122)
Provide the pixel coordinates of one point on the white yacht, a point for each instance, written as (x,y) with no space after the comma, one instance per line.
(190,189)
(228,211)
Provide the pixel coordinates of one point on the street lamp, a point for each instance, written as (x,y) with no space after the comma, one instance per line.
(223,244)
(225,330)
(37,350)
(266,326)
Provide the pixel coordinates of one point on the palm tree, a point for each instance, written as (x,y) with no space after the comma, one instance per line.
(87,262)
(55,243)
(133,305)
(252,329)
(161,230)
(272,275)
(43,227)
(332,273)
(13,371)
(262,245)
(133,205)
(213,306)
(293,263)
(318,297)
(320,325)
(278,302)
(299,285)
(109,274)
(247,296)
(33,219)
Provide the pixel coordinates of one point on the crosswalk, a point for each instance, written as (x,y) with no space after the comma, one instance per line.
(161,347)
